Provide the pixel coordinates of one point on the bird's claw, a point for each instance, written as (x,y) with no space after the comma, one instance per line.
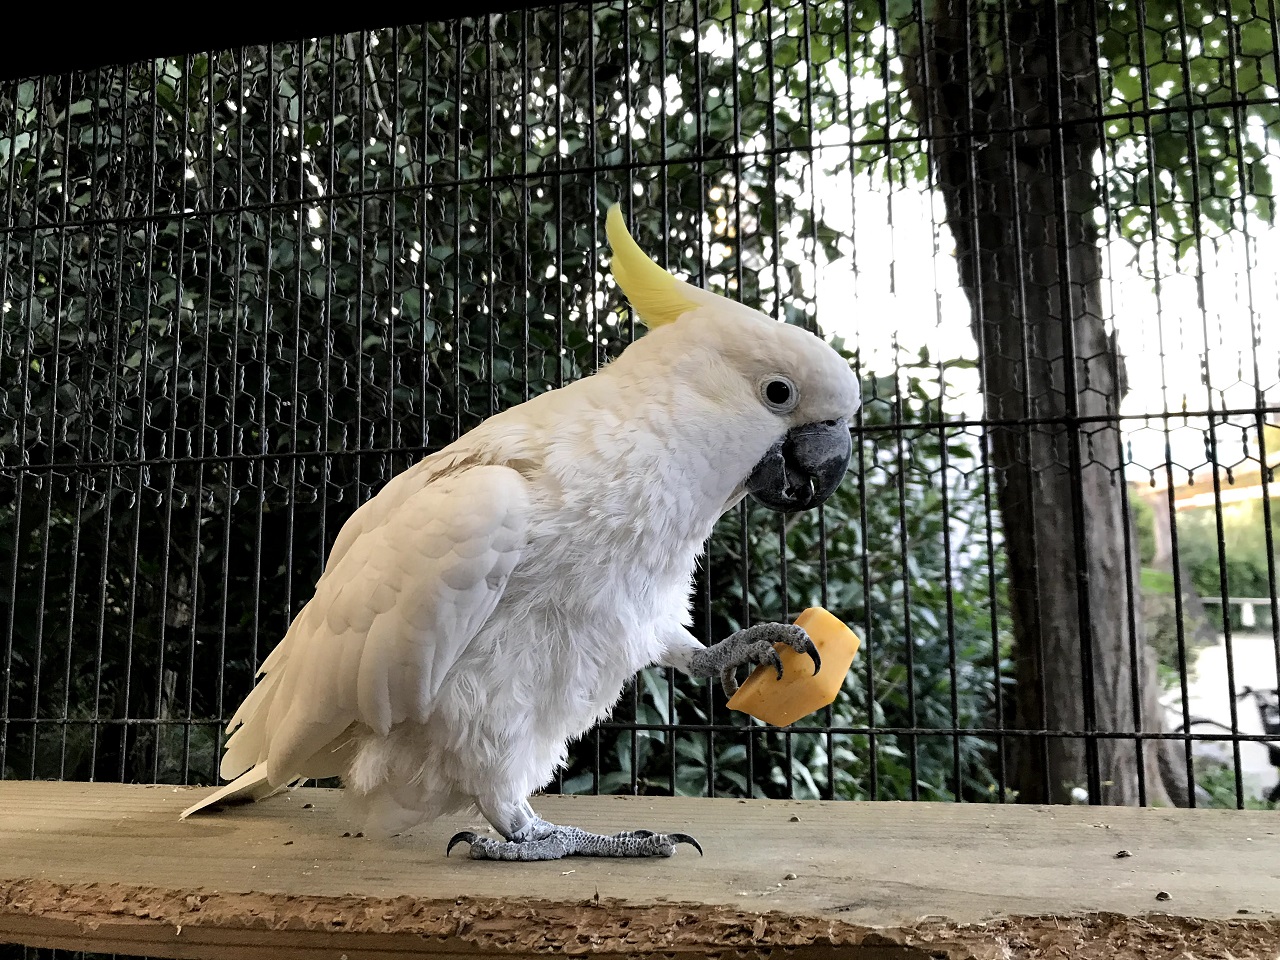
(800,641)
(673,837)
(685,838)
(812,651)
(775,661)
(466,836)
(753,647)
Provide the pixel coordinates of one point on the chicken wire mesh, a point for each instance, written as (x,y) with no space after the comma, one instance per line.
(244,288)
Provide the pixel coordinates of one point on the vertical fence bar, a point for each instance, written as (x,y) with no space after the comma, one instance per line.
(201,427)
(6,729)
(75,483)
(1062,212)
(1144,74)
(95,211)
(869,638)
(1260,399)
(1137,664)
(29,328)
(177,264)
(1197,214)
(140,447)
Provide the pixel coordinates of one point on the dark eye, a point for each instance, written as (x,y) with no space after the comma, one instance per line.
(779,393)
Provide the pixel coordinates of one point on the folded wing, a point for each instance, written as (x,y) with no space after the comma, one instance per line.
(410,582)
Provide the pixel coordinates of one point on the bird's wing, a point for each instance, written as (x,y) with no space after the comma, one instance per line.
(406,589)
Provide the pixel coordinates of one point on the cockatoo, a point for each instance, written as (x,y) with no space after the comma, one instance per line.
(488,605)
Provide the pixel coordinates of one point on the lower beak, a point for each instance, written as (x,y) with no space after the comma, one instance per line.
(804,468)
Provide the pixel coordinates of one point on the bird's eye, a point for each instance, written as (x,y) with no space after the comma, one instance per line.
(779,394)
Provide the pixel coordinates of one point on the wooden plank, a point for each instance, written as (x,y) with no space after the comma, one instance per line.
(110,867)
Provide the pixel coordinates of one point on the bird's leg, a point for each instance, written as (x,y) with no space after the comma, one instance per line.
(529,837)
(750,647)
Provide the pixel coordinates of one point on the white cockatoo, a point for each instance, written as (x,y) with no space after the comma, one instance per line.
(489,604)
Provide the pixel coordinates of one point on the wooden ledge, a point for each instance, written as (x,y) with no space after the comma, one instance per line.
(111,868)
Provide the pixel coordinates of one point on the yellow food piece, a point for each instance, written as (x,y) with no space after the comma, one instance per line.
(800,691)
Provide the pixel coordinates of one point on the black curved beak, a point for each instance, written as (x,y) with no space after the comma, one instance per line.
(804,468)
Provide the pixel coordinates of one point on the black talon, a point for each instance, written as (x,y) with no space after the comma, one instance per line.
(776,661)
(685,838)
(466,836)
(812,651)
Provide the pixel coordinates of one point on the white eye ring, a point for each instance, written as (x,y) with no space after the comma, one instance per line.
(779,393)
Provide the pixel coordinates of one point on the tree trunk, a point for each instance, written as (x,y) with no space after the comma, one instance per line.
(1008,103)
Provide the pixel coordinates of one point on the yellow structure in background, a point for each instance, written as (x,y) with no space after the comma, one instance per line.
(1245,484)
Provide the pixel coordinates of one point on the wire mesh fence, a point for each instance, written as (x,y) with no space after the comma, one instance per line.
(243,289)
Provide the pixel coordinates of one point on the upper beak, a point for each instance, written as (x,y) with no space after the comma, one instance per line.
(804,468)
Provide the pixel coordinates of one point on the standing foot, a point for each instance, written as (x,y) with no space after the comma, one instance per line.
(547,841)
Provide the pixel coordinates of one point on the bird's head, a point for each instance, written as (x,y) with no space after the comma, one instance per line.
(787,396)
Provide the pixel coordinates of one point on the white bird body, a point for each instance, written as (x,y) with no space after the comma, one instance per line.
(490,603)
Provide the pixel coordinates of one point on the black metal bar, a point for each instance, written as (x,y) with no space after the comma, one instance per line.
(1075,466)
(232,444)
(1137,665)
(1273,10)
(58,314)
(1145,79)
(197,525)
(704,268)
(104,565)
(164,696)
(1193,155)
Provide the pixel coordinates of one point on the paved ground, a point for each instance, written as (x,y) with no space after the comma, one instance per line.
(1254,664)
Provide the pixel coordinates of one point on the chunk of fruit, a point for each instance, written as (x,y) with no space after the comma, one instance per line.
(800,691)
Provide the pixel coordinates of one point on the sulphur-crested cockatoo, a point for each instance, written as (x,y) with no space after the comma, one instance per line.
(489,604)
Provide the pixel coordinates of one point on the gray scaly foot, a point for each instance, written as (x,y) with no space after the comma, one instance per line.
(541,840)
(751,647)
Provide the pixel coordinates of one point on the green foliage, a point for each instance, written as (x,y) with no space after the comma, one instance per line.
(1216,787)
(1243,560)
(1144,521)
(1157,581)
(1191,97)
(1190,105)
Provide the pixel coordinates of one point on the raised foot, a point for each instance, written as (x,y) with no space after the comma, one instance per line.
(556,842)
(752,647)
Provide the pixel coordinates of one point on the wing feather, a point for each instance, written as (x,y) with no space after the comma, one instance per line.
(401,597)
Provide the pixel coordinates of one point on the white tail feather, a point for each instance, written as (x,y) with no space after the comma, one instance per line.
(249,788)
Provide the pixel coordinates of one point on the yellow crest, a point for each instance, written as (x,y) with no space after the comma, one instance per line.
(658,297)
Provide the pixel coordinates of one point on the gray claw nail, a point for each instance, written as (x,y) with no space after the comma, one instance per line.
(466,836)
(685,838)
(812,651)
